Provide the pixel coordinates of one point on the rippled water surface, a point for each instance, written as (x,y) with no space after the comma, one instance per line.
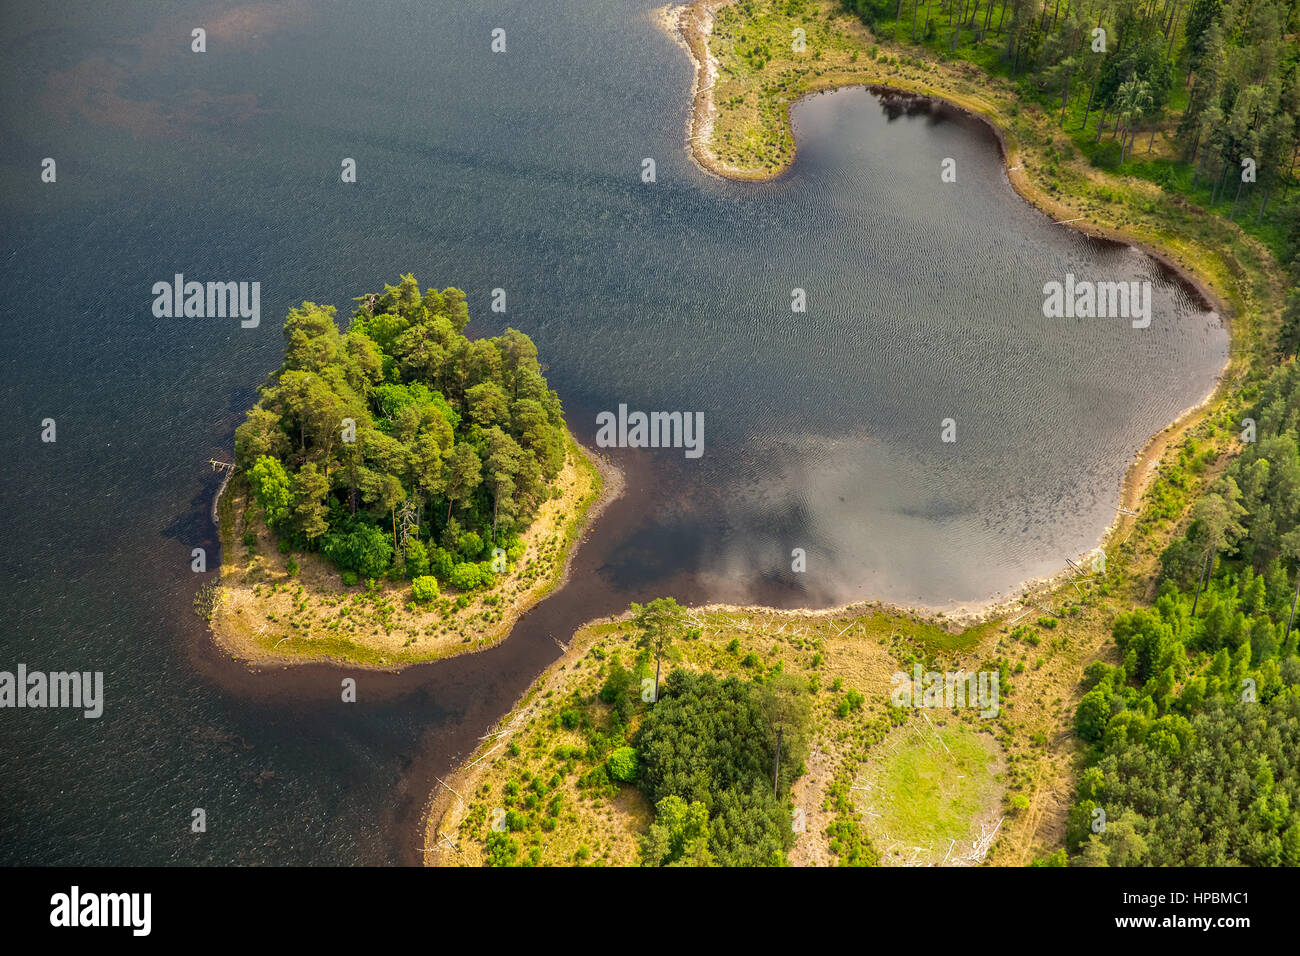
(518,171)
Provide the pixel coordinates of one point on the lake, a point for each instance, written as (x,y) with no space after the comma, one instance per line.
(519,171)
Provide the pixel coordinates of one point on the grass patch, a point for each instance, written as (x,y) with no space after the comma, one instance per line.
(932,791)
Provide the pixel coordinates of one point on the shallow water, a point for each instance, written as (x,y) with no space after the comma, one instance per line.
(518,171)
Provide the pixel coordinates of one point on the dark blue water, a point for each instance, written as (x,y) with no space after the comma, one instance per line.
(518,171)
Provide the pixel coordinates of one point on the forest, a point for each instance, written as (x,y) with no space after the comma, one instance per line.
(1219,79)
(401,446)
(1195,734)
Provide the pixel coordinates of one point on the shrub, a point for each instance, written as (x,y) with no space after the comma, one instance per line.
(417,559)
(501,850)
(350,578)
(623,764)
(365,549)
(1095,673)
(617,691)
(291,565)
(465,576)
(425,588)
(597,781)
(441,562)
(1093,713)
(470,545)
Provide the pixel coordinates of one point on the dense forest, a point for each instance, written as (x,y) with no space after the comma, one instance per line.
(1195,734)
(707,757)
(1220,77)
(401,445)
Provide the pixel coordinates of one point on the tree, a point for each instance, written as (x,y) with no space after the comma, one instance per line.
(708,741)
(1218,516)
(365,549)
(271,487)
(788,708)
(622,764)
(461,475)
(1093,713)
(312,340)
(1133,101)
(309,490)
(660,622)
(1292,545)
(679,835)
(260,436)
(503,462)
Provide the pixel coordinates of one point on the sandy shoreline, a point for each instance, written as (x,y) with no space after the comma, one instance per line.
(252,655)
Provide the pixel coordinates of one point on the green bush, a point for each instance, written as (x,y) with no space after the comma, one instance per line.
(425,588)
(501,850)
(441,562)
(350,578)
(1093,713)
(470,545)
(618,692)
(417,559)
(465,576)
(623,764)
(365,549)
